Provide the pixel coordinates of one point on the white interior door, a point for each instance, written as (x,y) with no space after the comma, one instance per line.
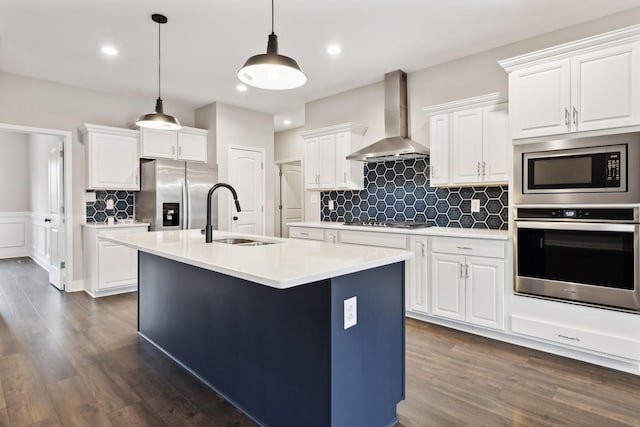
(246,175)
(56,218)
(291,196)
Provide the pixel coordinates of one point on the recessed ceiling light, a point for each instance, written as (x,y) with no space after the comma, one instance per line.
(334,50)
(286,122)
(241,88)
(110,50)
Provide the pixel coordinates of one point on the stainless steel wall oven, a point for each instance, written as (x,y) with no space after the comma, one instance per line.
(587,255)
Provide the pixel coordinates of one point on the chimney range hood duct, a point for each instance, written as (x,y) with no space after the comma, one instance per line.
(396,145)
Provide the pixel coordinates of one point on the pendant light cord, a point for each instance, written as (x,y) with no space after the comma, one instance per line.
(159,62)
(272,13)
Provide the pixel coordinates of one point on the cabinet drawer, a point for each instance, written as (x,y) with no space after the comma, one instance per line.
(123,230)
(586,339)
(306,233)
(475,247)
(386,240)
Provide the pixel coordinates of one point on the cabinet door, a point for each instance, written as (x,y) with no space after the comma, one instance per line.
(343,169)
(192,147)
(311,163)
(467,146)
(447,285)
(117,265)
(417,277)
(485,291)
(439,143)
(606,88)
(327,161)
(158,144)
(496,144)
(539,99)
(113,162)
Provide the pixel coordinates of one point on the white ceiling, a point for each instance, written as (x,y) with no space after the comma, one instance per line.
(206,41)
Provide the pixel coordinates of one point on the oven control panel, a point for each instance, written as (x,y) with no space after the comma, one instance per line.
(584,214)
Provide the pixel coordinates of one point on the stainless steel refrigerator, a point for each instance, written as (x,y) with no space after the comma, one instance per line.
(173,195)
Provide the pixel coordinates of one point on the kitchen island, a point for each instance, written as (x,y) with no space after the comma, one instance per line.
(267,326)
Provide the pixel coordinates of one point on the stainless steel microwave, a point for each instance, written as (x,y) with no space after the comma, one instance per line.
(602,169)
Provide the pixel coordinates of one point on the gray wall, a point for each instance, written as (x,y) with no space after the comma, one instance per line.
(15,187)
(38,103)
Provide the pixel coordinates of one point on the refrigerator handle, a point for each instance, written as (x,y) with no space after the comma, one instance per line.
(185,207)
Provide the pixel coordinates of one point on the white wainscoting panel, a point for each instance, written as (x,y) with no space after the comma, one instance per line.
(40,240)
(15,234)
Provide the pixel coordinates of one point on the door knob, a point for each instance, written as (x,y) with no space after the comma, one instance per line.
(47,220)
(235,218)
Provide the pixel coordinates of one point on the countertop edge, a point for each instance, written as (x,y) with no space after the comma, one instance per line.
(471,233)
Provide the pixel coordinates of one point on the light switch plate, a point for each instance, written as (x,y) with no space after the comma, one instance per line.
(350,312)
(475,205)
(332,205)
(109,203)
(90,196)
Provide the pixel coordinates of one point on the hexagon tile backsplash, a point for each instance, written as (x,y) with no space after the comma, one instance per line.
(400,191)
(123,202)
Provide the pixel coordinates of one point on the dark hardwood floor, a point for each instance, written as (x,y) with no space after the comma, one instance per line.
(70,360)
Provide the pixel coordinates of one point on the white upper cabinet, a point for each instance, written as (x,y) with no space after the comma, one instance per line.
(111,158)
(590,84)
(325,163)
(469,141)
(439,143)
(186,144)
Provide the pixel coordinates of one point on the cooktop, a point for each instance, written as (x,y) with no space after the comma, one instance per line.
(390,224)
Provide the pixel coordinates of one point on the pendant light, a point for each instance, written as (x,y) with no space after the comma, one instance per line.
(271,70)
(158,119)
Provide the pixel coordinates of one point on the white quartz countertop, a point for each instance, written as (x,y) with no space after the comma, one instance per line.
(476,233)
(116,225)
(284,264)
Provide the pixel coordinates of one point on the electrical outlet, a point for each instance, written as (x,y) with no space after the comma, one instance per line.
(109,203)
(475,205)
(350,312)
(332,205)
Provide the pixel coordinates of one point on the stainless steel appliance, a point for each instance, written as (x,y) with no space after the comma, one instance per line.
(390,224)
(173,194)
(586,255)
(602,169)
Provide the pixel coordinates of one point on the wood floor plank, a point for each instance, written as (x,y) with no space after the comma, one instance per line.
(67,359)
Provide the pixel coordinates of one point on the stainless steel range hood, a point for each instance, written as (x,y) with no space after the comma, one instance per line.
(396,145)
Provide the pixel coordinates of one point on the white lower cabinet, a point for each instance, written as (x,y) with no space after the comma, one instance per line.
(110,268)
(417,276)
(466,287)
(592,329)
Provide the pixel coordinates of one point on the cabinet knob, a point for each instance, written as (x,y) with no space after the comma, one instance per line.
(47,220)
(235,218)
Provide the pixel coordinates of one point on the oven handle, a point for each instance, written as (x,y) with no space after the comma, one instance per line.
(578,226)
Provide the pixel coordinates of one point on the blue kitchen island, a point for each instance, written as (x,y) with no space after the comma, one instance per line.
(264,326)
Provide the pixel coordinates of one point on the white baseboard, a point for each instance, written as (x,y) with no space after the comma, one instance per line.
(115,291)
(40,260)
(74,286)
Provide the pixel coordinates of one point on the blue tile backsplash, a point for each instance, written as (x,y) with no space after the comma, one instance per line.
(400,191)
(123,202)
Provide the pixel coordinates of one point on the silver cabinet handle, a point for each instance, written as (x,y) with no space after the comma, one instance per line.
(566,116)
(569,338)
(575,116)
(478,172)
(173,150)
(484,168)
(179,151)
(464,247)
(466,271)
(304,234)
(420,247)
(345,177)
(461,271)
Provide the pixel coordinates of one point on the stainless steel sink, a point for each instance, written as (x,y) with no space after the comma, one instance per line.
(242,242)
